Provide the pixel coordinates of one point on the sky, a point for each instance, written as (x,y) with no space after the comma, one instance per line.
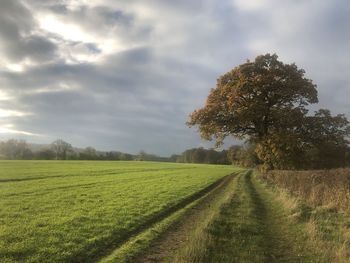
(125,75)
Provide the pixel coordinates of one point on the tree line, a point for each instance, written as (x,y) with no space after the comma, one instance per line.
(242,155)
(61,150)
(201,155)
(13,149)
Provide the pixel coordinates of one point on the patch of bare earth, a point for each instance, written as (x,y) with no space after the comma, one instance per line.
(179,232)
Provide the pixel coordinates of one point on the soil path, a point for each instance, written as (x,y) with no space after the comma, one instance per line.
(178,233)
(252,226)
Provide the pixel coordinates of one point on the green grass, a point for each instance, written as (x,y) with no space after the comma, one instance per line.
(195,247)
(138,244)
(251,226)
(330,232)
(54,211)
(238,233)
(327,228)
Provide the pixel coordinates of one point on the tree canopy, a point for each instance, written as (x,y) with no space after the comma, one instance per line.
(265,102)
(254,99)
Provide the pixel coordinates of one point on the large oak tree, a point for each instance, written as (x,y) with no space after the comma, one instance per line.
(265,101)
(254,99)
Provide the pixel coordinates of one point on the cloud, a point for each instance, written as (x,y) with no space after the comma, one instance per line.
(19,41)
(125,75)
(314,35)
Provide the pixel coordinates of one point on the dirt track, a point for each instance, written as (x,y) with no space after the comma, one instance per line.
(251,226)
(177,234)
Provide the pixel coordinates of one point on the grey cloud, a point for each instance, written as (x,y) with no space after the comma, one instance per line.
(100,20)
(18,41)
(314,34)
(140,98)
(131,93)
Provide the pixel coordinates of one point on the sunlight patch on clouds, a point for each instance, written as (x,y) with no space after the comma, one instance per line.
(8,129)
(17,67)
(68,31)
(12,113)
(74,33)
(250,5)
(4,96)
(60,87)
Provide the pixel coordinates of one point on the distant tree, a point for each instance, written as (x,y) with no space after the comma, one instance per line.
(327,138)
(142,156)
(15,149)
(72,154)
(222,157)
(211,156)
(235,154)
(27,154)
(243,155)
(113,155)
(126,157)
(201,155)
(174,158)
(89,153)
(61,149)
(198,155)
(45,154)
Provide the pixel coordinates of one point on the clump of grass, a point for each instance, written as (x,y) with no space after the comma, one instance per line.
(317,202)
(329,188)
(195,248)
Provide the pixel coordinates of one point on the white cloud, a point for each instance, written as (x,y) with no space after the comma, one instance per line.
(4,96)
(250,5)
(60,87)
(12,113)
(8,129)
(68,31)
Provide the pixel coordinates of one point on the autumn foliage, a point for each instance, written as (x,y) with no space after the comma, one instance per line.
(265,102)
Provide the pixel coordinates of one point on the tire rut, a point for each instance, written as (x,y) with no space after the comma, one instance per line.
(115,244)
(253,227)
(177,234)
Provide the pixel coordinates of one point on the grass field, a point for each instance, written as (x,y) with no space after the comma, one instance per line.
(252,225)
(53,211)
(320,200)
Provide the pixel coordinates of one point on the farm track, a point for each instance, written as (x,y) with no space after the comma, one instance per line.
(254,227)
(251,227)
(261,235)
(113,245)
(177,234)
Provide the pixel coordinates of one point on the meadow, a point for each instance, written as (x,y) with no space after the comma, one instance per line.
(320,201)
(328,188)
(77,211)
